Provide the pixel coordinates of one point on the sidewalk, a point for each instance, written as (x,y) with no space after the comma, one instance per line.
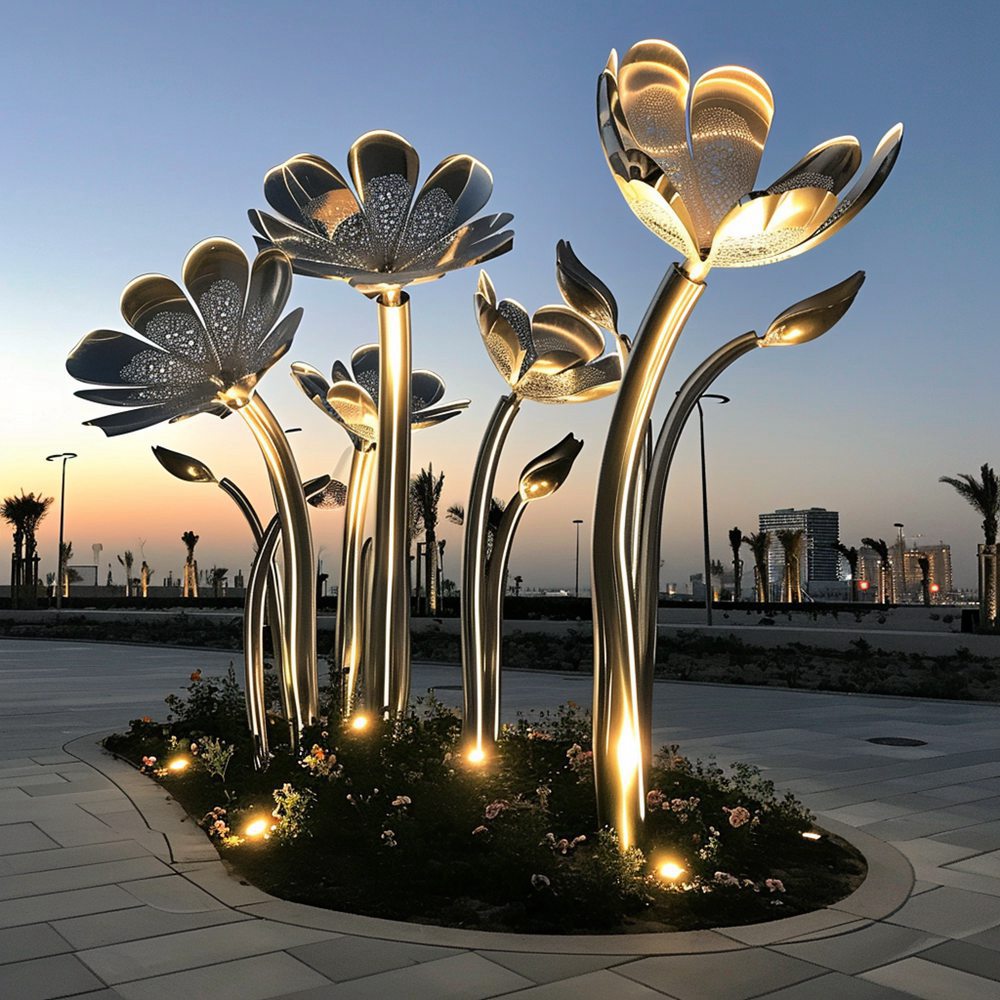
(100,900)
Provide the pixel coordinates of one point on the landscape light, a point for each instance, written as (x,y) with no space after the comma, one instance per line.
(670,870)
(359,722)
(256,828)
(178,764)
(812,835)
(476,755)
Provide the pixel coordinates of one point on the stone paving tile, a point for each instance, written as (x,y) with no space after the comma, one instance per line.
(836,985)
(70,857)
(968,957)
(173,893)
(949,912)
(541,968)
(989,938)
(696,977)
(55,757)
(115,926)
(346,957)
(16,838)
(18,944)
(982,837)
(157,956)
(258,978)
(983,864)
(877,944)
(55,906)
(61,879)
(920,978)
(596,985)
(44,978)
(466,976)
(40,777)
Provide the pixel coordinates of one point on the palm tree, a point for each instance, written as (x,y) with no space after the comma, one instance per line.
(69,575)
(984,497)
(881,549)
(456,514)
(217,577)
(425,489)
(791,585)
(735,542)
(24,513)
(127,560)
(760,542)
(851,558)
(190,540)
(925,579)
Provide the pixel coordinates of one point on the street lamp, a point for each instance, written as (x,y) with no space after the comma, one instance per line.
(576,590)
(722,400)
(65,456)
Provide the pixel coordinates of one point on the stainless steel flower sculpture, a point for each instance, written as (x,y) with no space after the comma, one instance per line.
(556,356)
(380,238)
(205,352)
(698,196)
(352,401)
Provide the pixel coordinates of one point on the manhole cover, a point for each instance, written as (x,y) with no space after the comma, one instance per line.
(897,741)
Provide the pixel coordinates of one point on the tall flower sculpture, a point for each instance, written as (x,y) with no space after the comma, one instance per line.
(380,238)
(205,352)
(698,196)
(555,356)
(351,399)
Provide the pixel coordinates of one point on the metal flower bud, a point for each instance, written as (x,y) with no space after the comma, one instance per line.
(546,473)
(183,467)
(583,291)
(812,317)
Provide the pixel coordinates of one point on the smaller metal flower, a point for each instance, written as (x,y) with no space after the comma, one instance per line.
(382,238)
(543,475)
(352,398)
(204,352)
(554,356)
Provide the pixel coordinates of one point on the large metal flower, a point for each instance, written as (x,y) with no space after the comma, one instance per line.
(382,238)
(698,196)
(554,356)
(201,354)
(352,399)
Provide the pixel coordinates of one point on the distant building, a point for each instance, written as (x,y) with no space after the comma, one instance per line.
(820,562)
(939,557)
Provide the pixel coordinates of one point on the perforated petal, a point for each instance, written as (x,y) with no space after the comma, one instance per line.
(155,306)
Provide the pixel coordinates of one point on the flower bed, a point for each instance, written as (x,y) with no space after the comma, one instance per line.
(391,820)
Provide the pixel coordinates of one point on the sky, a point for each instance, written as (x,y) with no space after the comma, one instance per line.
(134,130)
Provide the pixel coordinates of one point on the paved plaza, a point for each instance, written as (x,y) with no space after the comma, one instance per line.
(105,893)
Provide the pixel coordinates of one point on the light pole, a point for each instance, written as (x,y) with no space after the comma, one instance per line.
(704,500)
(65,456)
(576,590)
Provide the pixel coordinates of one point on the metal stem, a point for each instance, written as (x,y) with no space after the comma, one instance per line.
(62,521)
(618,764)
(474,622)
(704,516)
(299,593)
(390,610)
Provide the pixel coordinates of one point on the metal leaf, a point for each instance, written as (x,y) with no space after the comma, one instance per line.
(583,291)
(812,317)
(546,473)
(184,467)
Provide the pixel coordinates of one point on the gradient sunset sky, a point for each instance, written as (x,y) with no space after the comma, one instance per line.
(133,130)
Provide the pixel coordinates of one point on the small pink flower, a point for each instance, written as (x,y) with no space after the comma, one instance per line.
(495,808)
(774,885)
(401,801)
(737,816)
(148,761)
(654,799)
(480,829)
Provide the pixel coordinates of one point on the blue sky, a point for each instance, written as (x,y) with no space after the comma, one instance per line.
(134,130)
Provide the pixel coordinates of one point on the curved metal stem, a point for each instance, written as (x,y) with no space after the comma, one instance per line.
(368,671)
(253,651)
(496,574)
(298,645)
(474,616)
(390,611)
(652,515)
(350,629)
(273,599)
(619,767)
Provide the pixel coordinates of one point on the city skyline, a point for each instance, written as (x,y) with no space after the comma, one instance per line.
(159,153)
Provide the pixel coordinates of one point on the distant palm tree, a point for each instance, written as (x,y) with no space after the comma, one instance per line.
(851,557)
(456,514)
(925,578)
(881,549)
(24,513)
(735,543)
(127,560)
(190,540)
(984,497)
(217,577)
(760,542)
(791,585)
(69,575)
(425,490)
(518,580)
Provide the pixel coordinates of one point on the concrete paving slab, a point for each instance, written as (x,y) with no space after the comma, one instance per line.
(836,985)
(968,957)
(45,978)
(116,926)
(920,978)
(70,857)
(18,838)
(878,944)
(344,958)
(54,906)
(592,984)
(18,944)
(80,877)
(172,893)
(949,912)
(549,968)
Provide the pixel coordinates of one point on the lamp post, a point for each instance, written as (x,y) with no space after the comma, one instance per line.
(65,456)
(576,590)
(722,400)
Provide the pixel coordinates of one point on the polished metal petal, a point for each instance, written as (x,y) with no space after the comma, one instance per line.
(334,494)
(576,385)
(662,211)
(184,467)
(270,286)
(434,415)
(426,389)
(545,474)
(364,364)
(112,358)
(758,230)
(814,316)
(612,127)
(216,274)
(125,421)
(155,306)
(830,165)
(472,244)
(145,395)
(506,336)
(583,291)
(312,193)
(731,112)
(311,382)
(309,253)
(356,409)
(384,168)
(339,372)
(276,344)
(562,339)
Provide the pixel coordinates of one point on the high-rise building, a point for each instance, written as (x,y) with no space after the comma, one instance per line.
(939,558)
(819,560)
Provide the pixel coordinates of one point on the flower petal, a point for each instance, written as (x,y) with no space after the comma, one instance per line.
(311,192)
(438,414)
(545,473)
(364,364)
(611,124)
(583,291)
(507,335)
(576,385)
(270,286)
(275,345)
(184,467)
(307,251)
(466,246)
(356,410)
(566,337)
(768,226)
(830,165)
(663,214)
(812,317)
(125,421)
(154,306)
(731,112)
(111,358)
(426,389)
(216,273)
(384,168)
